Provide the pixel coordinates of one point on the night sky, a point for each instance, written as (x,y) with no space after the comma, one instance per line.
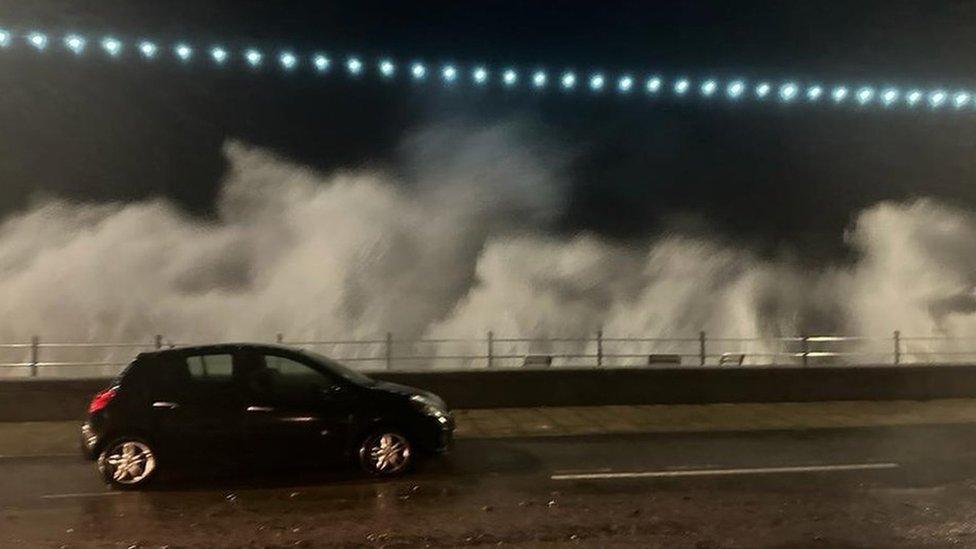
(787,177)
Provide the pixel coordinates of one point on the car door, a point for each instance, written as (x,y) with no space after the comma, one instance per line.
(197,406)
(295,411)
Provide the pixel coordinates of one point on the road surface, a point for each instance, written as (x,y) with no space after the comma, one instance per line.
(907,486)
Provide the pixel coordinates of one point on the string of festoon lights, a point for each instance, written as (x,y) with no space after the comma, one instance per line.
(537,79)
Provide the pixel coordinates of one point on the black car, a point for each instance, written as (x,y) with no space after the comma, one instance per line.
(267,403)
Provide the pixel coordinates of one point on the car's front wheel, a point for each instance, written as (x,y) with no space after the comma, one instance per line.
(128,462)
(386,453)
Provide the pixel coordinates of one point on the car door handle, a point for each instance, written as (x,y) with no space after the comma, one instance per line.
(165,405)
(260,409)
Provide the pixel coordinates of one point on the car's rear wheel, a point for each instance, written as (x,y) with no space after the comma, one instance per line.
(386,453)
(128,462)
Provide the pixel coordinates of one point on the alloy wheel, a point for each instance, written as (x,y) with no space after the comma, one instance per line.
(127,462)
(387,453)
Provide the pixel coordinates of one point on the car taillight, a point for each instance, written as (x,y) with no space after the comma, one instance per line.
(101,400)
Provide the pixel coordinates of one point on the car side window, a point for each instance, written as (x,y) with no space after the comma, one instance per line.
(170,378)
(281,380)
(211,367)
(200,379)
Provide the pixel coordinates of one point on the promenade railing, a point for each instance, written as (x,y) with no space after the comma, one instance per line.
(39,357)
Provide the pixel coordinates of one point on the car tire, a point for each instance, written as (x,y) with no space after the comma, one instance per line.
(128,463)
(386,453)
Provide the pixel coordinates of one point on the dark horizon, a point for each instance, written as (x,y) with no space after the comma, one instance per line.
(775,178)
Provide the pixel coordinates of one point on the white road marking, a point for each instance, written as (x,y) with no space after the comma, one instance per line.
(577,471)
(600,475)
(81,495)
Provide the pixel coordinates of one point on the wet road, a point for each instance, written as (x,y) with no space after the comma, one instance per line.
(869,487)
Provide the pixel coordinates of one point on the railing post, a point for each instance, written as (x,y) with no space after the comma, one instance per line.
(279,338)
(599,347)
(158,342)
(897,342)
(389,350)
(806,350)
(491,340)
(701,348)
(34,354)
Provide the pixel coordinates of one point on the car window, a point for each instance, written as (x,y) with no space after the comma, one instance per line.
(211,367)
(204,379)
(282,380)
(170,377)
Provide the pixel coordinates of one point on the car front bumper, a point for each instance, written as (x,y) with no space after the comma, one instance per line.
(439,434)
(445,441)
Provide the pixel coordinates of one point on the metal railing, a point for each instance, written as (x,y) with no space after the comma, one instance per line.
(65,359)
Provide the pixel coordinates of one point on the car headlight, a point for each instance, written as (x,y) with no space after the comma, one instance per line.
(429,406)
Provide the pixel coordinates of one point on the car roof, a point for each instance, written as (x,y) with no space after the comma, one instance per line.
(221,347)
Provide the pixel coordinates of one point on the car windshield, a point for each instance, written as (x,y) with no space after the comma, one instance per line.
(345,372)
